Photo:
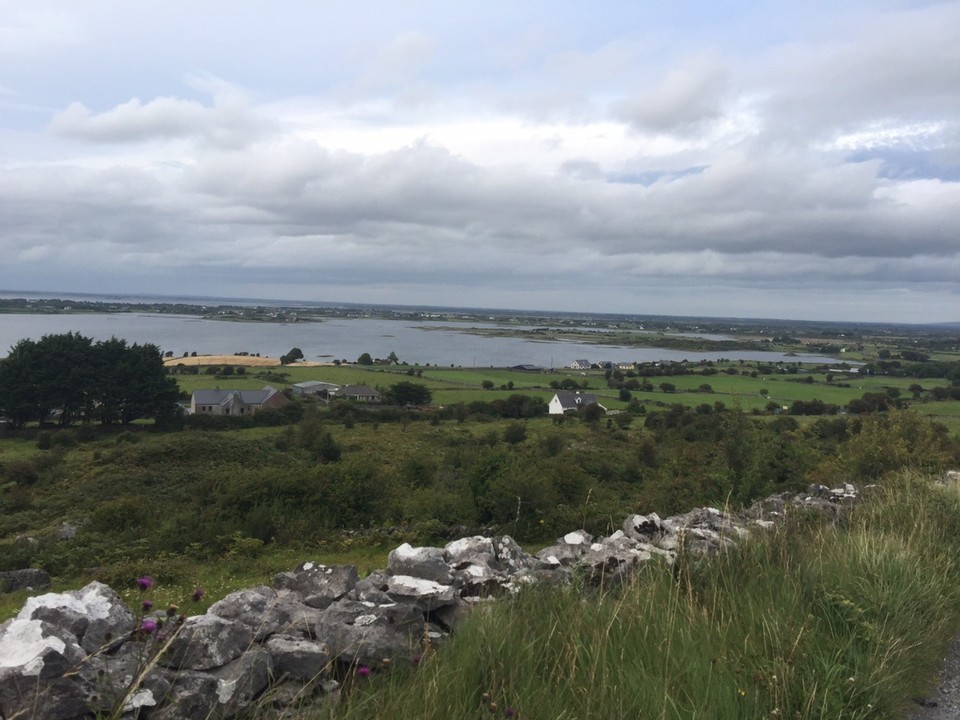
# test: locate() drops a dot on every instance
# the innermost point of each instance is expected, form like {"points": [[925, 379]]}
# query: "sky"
{"points": [[718, 158]]}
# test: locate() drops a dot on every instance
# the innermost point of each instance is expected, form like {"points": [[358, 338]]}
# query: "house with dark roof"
{"points": [[580, 365], [565, 401], [235, 402]]}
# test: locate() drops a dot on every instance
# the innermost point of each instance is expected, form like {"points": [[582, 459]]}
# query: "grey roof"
{"points": [[314, 384], [220, 397], [572, 401]]}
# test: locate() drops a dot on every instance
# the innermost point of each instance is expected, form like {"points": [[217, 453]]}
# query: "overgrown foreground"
{"points": [[816, 620]]}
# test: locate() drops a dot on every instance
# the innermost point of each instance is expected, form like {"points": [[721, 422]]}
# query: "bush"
{"points": [[515, 433], [87, 432], [21, 472], [63, 439], [128, 437]]}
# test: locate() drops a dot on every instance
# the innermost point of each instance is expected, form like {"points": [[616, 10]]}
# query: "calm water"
{"points": [[345, 339]]}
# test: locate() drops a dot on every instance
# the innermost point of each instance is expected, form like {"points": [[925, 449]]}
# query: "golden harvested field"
{"points": [[245, 360]]}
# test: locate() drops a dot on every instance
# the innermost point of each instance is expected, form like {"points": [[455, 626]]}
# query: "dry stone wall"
{"points": [[84, 653]]}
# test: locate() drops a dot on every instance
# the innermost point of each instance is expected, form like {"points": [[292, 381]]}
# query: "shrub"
{"points": [[515, 433]]}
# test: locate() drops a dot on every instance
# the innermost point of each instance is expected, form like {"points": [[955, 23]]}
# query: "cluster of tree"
{"points": [[71, 378], [934, 369], [870, 402], [367, 359], [406, 393], [569, 384], [292, 356]]}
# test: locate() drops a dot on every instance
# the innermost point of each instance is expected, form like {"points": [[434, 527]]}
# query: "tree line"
{"points": [[69, 378]]}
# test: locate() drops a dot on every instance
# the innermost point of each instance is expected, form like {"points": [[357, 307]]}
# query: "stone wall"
{"points": [[84, 652]]}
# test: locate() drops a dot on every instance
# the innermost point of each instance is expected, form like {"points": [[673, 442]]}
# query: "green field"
{"points": [[464, 385]]}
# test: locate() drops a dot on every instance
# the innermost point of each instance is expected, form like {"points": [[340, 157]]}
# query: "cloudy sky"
{"points": [[760, 159]]}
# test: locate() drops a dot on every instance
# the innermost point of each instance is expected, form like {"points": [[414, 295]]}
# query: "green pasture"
{"points": [[464, 385]]}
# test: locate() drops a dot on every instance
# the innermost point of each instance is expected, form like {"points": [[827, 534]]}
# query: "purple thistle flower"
{"points": [[363, 670], [144, 582], [149, 625], [147, 605], [509, 711], [198, 593]]}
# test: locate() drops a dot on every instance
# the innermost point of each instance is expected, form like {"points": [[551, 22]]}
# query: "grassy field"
{"points": [[464, 385]]}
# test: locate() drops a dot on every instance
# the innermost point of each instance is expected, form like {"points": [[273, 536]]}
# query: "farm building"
{"points": [[314, 387]]}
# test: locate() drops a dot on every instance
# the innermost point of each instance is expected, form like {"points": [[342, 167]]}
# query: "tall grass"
{"points": [[813, 620]]}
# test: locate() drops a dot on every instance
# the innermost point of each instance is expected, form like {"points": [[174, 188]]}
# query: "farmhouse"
{"points": [[580, 365], [565, 401], [235, 402], [314, 387], [360, 393]]}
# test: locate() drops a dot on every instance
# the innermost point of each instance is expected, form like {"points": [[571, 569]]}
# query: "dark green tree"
{"points": [[292, 356], [407, 393], [109, 381], [365, 359]]}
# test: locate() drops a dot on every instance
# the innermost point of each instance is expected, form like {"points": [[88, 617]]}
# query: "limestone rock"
{"points": [[366, 633], [476, 550], [205, 642], [266, 611], [242, 681], [299, 657], [425, 594], [318, 585], [95, 614], [35, 659], [513, 558], [421, 562], [642, 527]]}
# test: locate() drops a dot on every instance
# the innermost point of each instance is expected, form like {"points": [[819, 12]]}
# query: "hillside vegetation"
{"points": [[182, 504]]}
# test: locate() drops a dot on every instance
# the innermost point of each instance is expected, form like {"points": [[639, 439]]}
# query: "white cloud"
{"points": [[230, 122]]}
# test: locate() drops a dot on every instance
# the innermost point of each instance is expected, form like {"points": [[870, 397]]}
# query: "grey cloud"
{"points": [[688, 97], [582, 169], [898, 66], [231, 122]]}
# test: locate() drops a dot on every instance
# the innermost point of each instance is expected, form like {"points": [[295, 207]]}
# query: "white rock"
{"points": [[23, 645]]}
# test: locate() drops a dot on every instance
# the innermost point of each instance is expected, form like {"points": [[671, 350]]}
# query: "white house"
{"points": [[580, 365], [565, 401]]}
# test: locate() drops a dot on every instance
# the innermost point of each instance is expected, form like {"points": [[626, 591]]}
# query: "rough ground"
{"points": [[943, 702]]}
